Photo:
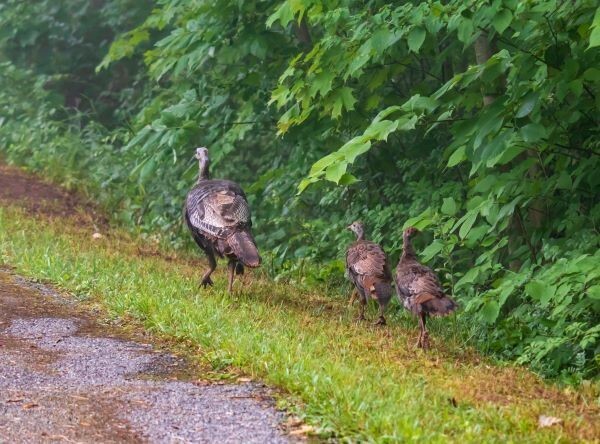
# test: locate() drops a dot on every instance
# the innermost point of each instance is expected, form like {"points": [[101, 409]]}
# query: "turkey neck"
{"points": [[360, 235], [408, 252], [203, 164]]}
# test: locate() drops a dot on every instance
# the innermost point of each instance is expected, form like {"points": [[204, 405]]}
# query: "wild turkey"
{"points": [[217, 213], [368, 269], [419, 289]]}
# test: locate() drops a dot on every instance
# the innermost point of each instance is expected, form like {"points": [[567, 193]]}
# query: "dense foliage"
{"points": [[476, 121]]}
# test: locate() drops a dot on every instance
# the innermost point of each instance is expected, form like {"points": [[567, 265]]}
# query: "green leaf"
{"points": [[594, 292], [509, 154], [493, 151], [592, 75], [354, 148], [342, 98], [595, 37], [465, 30], [449, 206], [469, 220], [359, 59], [540, 291], [147, 170], [431, 250], [406, 123], [419, 103], [457, 156], [381, 130], [564, 181], [321, 84], [335, 171], [386, 112], [383, 39], [416, 37], [304, 183], [527, 105], [284, 15], [490, 311], [595, 34], [347, 179], [502, 20], [533, 132], [420, 222], [323, 163]]}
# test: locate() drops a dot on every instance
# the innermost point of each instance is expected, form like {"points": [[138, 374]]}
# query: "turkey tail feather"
{"points": [[378, 289], [242, 245], [383, 290]]}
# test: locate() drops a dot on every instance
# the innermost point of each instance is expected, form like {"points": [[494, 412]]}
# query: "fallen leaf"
{"points": [[304, 430], [15, 400], [548, 421], [243, 379], [30, 405], [97, 236], [293, 422]]}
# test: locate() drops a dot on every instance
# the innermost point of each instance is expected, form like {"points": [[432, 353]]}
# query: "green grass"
{"points": [[355, 382]]}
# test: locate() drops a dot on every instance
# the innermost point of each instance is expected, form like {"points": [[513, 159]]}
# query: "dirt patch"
{"points": [[63, 377], [36, 196]]}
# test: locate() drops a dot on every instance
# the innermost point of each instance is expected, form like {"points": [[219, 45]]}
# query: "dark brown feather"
{"points": [[243, 248], [367, 267], [217, 213], [419, 289]]}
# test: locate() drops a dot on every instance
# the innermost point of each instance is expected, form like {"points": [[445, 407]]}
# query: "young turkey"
{"points": [[368, 269], [217, 213], [419, 289]]}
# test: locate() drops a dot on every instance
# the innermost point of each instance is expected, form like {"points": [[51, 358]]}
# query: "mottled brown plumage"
{"points": [[419, 289], [218, 216], [368, 269]]}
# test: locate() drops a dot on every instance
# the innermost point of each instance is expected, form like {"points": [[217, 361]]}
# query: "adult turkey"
{"points": [[368, 269], [419, 289], [216, 212]]}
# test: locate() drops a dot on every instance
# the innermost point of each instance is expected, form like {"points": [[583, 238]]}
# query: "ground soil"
{"points": [[36, 196]]}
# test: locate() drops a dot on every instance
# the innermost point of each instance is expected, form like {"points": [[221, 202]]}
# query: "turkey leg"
{"points": [[212, 264], [353, 297], [361, 308], [424, 334], [231, 267]]}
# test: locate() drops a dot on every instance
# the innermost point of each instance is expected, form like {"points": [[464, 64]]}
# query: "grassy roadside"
{"points": [[355, 381]]}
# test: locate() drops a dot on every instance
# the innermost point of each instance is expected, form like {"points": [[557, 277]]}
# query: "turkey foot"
{"points": [[206, 282], [423, 341], [380, 321], [381, 318]]}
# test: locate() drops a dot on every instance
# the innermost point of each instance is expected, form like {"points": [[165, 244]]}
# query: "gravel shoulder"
{"points": [[66, 378]]}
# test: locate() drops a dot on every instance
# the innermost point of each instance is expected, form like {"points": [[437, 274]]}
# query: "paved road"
{"points": [[64, 378]]}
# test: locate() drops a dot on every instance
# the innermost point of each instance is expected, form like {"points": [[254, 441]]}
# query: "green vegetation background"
{"points": [[475, 121]]}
